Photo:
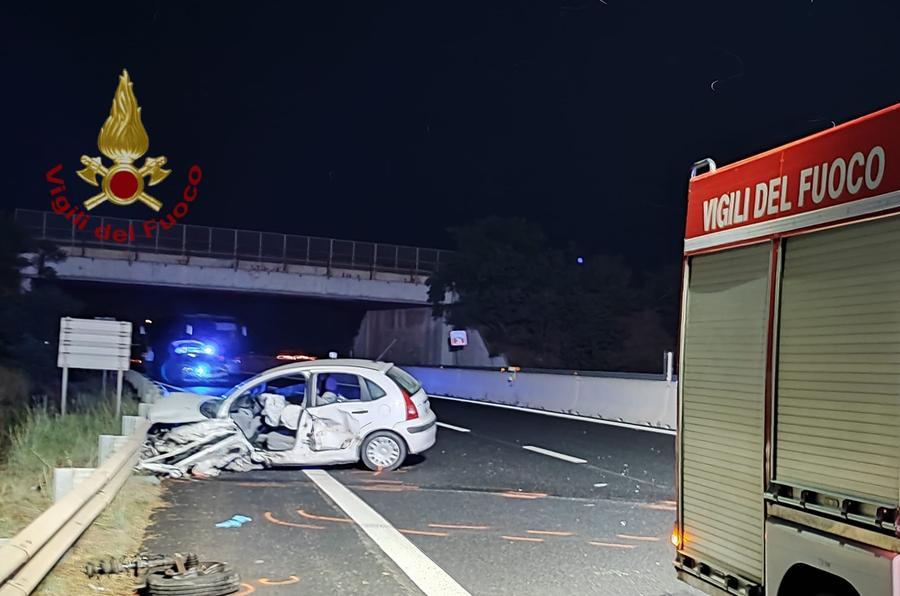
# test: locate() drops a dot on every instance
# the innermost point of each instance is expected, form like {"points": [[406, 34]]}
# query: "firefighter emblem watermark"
{"points": [[124, 140]]}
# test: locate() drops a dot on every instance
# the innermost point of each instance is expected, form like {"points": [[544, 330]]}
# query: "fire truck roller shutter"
{"points": [[838, 365], [722, 409]]}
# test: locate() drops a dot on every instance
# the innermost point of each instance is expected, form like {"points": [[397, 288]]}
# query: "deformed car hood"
{"points": [[178, 408]]}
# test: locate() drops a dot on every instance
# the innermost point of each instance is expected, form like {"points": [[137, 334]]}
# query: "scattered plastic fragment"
{"points": [[236, 521]]}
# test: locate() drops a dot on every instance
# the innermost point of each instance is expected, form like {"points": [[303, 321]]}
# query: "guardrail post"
{"points": [[44, 225], [307, 249], [284, 250], [396, 257], [184, 239], [353, 255], [209, 243], [156, 241], [259, 256], [417, 261]]}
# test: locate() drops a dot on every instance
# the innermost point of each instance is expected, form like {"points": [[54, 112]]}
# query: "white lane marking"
{"points": [[601, 485], [652, 429], [423, 572], [451, 427], [556, 454]]}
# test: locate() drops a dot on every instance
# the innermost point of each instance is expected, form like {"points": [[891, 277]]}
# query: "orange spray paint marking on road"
{"points": [[245, 590], [643, 538], [664, 506], [610, 544], [293, 579], [424, 533], [458, 527], [517, 495], [550, 533], [389, 488], [342, 520], [380, 481], [271, 518], [522, 538]]}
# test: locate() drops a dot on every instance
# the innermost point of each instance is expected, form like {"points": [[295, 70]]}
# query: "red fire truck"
{"points": [[789, 393]]}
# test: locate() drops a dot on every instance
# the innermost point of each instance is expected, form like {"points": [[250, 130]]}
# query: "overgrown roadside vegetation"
{"points": [[39, 441], [117, 532]]}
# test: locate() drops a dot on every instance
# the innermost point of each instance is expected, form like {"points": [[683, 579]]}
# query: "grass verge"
{"points": [[117, 532], [40, 441]]}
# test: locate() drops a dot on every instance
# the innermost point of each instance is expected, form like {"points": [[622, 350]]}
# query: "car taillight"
{"points": [[411, 412]]}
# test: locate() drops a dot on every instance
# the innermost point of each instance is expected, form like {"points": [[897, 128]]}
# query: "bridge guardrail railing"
{"points": [[236, 244]]}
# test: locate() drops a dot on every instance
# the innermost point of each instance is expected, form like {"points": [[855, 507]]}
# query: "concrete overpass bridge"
{"points": [[115, 250]]}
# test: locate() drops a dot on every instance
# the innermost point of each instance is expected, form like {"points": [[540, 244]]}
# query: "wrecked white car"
{"points": [[309, 413]]}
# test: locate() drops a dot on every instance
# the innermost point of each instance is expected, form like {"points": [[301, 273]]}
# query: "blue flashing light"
{"points": [[201, 370], [580, 260], [209, 349]]}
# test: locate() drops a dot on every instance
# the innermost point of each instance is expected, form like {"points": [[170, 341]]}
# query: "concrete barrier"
{"points": [[108, 444], [643, 400], [66, 479]]}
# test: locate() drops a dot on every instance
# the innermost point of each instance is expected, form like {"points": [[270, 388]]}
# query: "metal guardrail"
{"points": [[227, 243], [29, 557]]}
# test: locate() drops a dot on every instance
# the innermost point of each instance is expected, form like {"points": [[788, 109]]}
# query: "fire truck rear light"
{"points": [[676, 536]]}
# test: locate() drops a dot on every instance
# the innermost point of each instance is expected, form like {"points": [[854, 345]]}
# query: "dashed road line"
{"points": [[423, 572], [569, 458], [451, 427]]}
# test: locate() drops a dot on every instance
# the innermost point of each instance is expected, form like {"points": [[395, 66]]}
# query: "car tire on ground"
{"points": [[383, 450], [214, 579]]}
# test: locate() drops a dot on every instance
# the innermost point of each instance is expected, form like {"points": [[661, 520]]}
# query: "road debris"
{"points": [[236, 521], [175, 576]]}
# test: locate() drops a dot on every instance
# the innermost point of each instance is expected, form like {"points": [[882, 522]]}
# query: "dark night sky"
{"points": [[390, 121]]}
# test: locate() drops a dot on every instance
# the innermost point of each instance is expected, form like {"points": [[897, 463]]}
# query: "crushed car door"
{"points": [[339, 414]]}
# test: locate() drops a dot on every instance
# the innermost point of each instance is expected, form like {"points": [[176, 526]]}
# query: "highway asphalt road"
{"points": [[487, 505]]}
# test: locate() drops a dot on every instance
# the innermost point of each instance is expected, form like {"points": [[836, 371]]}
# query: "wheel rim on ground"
{"points": [[383, 451]]}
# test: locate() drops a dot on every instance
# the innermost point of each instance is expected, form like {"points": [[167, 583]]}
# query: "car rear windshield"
{"points": [[405, 380]]}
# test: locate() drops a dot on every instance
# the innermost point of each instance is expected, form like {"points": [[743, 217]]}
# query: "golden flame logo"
{"points": [[123, 139]]}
